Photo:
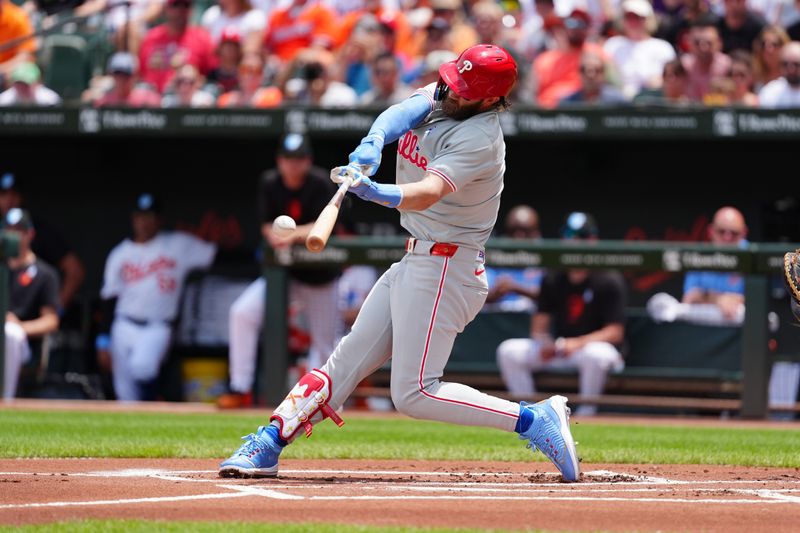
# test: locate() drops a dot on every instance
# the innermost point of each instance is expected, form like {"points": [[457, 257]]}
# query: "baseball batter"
{"points": [[450, 167], [144, 276]]}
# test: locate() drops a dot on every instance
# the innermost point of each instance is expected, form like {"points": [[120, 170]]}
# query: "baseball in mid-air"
{"points": [[284, 226]]}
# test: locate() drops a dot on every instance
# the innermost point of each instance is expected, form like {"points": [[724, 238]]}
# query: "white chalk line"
{"points": [[160, 499], [550, 498], [258, 491], [456, 490]]}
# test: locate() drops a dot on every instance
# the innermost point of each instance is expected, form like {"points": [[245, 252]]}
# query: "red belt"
{"points": [[439, 248]]}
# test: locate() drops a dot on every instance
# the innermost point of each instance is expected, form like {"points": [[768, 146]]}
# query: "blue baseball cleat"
{"points": [[550, 434], [257, 457]]}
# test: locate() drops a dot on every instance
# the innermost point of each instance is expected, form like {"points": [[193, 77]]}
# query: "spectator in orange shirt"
{"points": [[556, 73], [14, 23], [169, 46], [302, 24]]}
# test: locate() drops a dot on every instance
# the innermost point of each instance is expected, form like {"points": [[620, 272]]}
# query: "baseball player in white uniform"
{"points": [[450, 167], [145, 276]]}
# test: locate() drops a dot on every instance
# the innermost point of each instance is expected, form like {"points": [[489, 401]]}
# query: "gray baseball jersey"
{"points": [[416, 309], [469, 155]]}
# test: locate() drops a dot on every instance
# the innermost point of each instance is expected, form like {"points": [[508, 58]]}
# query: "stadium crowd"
{"points": [[346, 53]]}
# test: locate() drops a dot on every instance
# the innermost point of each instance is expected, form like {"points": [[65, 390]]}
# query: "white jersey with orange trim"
{"points": [[147, 280], [469, 155], [147, 277]]}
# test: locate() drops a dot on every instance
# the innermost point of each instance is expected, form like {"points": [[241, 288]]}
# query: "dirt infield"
{"points": [[408, 493]]}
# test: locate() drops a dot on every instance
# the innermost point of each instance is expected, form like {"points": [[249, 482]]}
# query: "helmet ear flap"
{"points": [[441, 90]]}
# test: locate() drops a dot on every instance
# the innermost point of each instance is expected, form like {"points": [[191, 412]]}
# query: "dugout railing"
{"points": [[757, 262]]}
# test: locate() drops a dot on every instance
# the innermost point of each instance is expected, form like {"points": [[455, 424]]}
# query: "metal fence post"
{"points": [[9, 247], [275, 353], [3, 310], [755, 364]]}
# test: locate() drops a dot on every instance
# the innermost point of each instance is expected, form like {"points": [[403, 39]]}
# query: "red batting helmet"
{"points": [[481, 71]]}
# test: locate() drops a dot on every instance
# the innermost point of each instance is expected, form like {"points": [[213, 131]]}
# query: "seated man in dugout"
{"points": [[709, 297], [32, 300], [717, 299], [580, 323]]}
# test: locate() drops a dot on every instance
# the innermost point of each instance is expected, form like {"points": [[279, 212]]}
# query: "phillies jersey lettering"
{"points": [[408, 148], [469, 155], [146, 277]]}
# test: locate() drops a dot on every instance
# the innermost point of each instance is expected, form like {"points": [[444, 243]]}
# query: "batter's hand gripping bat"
{"points": [[323, 226]]}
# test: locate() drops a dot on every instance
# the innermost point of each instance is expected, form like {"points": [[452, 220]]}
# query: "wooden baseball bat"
{"points": [[323, 226]]}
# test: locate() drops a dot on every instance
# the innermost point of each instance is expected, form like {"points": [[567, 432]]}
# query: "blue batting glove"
{"points": [[385, 194], [368, 155], [361, 187]]}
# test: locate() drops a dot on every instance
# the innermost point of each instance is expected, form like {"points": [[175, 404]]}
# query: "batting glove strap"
{"points": [[385, 194]]}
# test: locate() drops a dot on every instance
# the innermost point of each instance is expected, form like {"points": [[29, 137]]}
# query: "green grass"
{"points": [[146, 526], [153, 435]]}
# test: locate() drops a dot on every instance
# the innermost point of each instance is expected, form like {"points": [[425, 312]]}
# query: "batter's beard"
{"points": [[453, 110]]}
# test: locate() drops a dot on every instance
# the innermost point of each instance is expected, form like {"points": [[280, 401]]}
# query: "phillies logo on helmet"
{"points": [[481, 71]]}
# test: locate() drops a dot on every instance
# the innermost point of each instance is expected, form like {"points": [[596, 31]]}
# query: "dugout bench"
{"points": [[746, 384]]}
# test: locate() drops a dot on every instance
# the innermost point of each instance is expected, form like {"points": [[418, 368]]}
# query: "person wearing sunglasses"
{"points": [[595, 88], [725, 290], [705, 61], [785, 91], [387, 88], [717, 298], [767, 55], [709, 297], [741, 74]]}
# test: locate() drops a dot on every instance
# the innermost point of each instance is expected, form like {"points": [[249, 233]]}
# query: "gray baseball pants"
{"points": [[412, 316]]}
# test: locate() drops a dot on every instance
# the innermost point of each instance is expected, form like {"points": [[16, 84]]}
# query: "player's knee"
{"points": [[599, 356], [407, 400]]}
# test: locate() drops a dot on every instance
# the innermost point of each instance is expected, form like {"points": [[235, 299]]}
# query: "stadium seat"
{"points": [[65, 65]]}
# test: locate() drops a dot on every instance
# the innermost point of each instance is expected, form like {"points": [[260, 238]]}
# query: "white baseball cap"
{"points": [[643, 8]]}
